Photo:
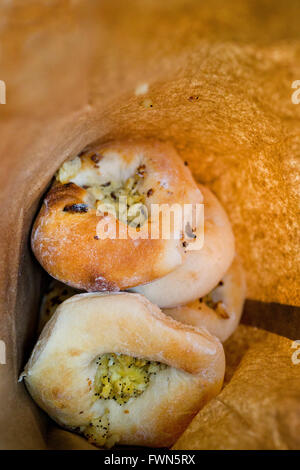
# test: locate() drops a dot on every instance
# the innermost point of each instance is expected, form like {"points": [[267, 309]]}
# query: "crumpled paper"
{"points": [[259, 406], [219, 79]]}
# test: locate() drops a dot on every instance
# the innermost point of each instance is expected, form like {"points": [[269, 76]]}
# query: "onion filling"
{"points": [[120, 377], [122, 199]]}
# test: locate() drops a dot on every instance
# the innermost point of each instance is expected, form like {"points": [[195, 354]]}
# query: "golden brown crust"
{"points": [[59, 374], [64, 236]]}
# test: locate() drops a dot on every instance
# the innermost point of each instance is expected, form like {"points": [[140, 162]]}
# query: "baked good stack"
{"points": [[133, 350]]}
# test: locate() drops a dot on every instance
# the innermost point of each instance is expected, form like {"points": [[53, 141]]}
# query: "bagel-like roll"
{"points": [[202, 269], [87, 191], [220, 310], [114, 368]]}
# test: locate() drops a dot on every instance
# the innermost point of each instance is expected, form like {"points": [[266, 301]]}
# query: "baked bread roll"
{"points": [[202, 269], [114, 368], [220, 310], [87, 236]]}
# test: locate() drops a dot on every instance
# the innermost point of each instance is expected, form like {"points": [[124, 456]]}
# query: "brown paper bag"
{"points": [[219, 88], [259, 407]]}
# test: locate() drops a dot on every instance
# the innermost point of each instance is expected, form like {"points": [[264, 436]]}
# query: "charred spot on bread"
{"points": [[96, 157], [189, 231], [60, 192], [150, 192], [77, 208]]}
